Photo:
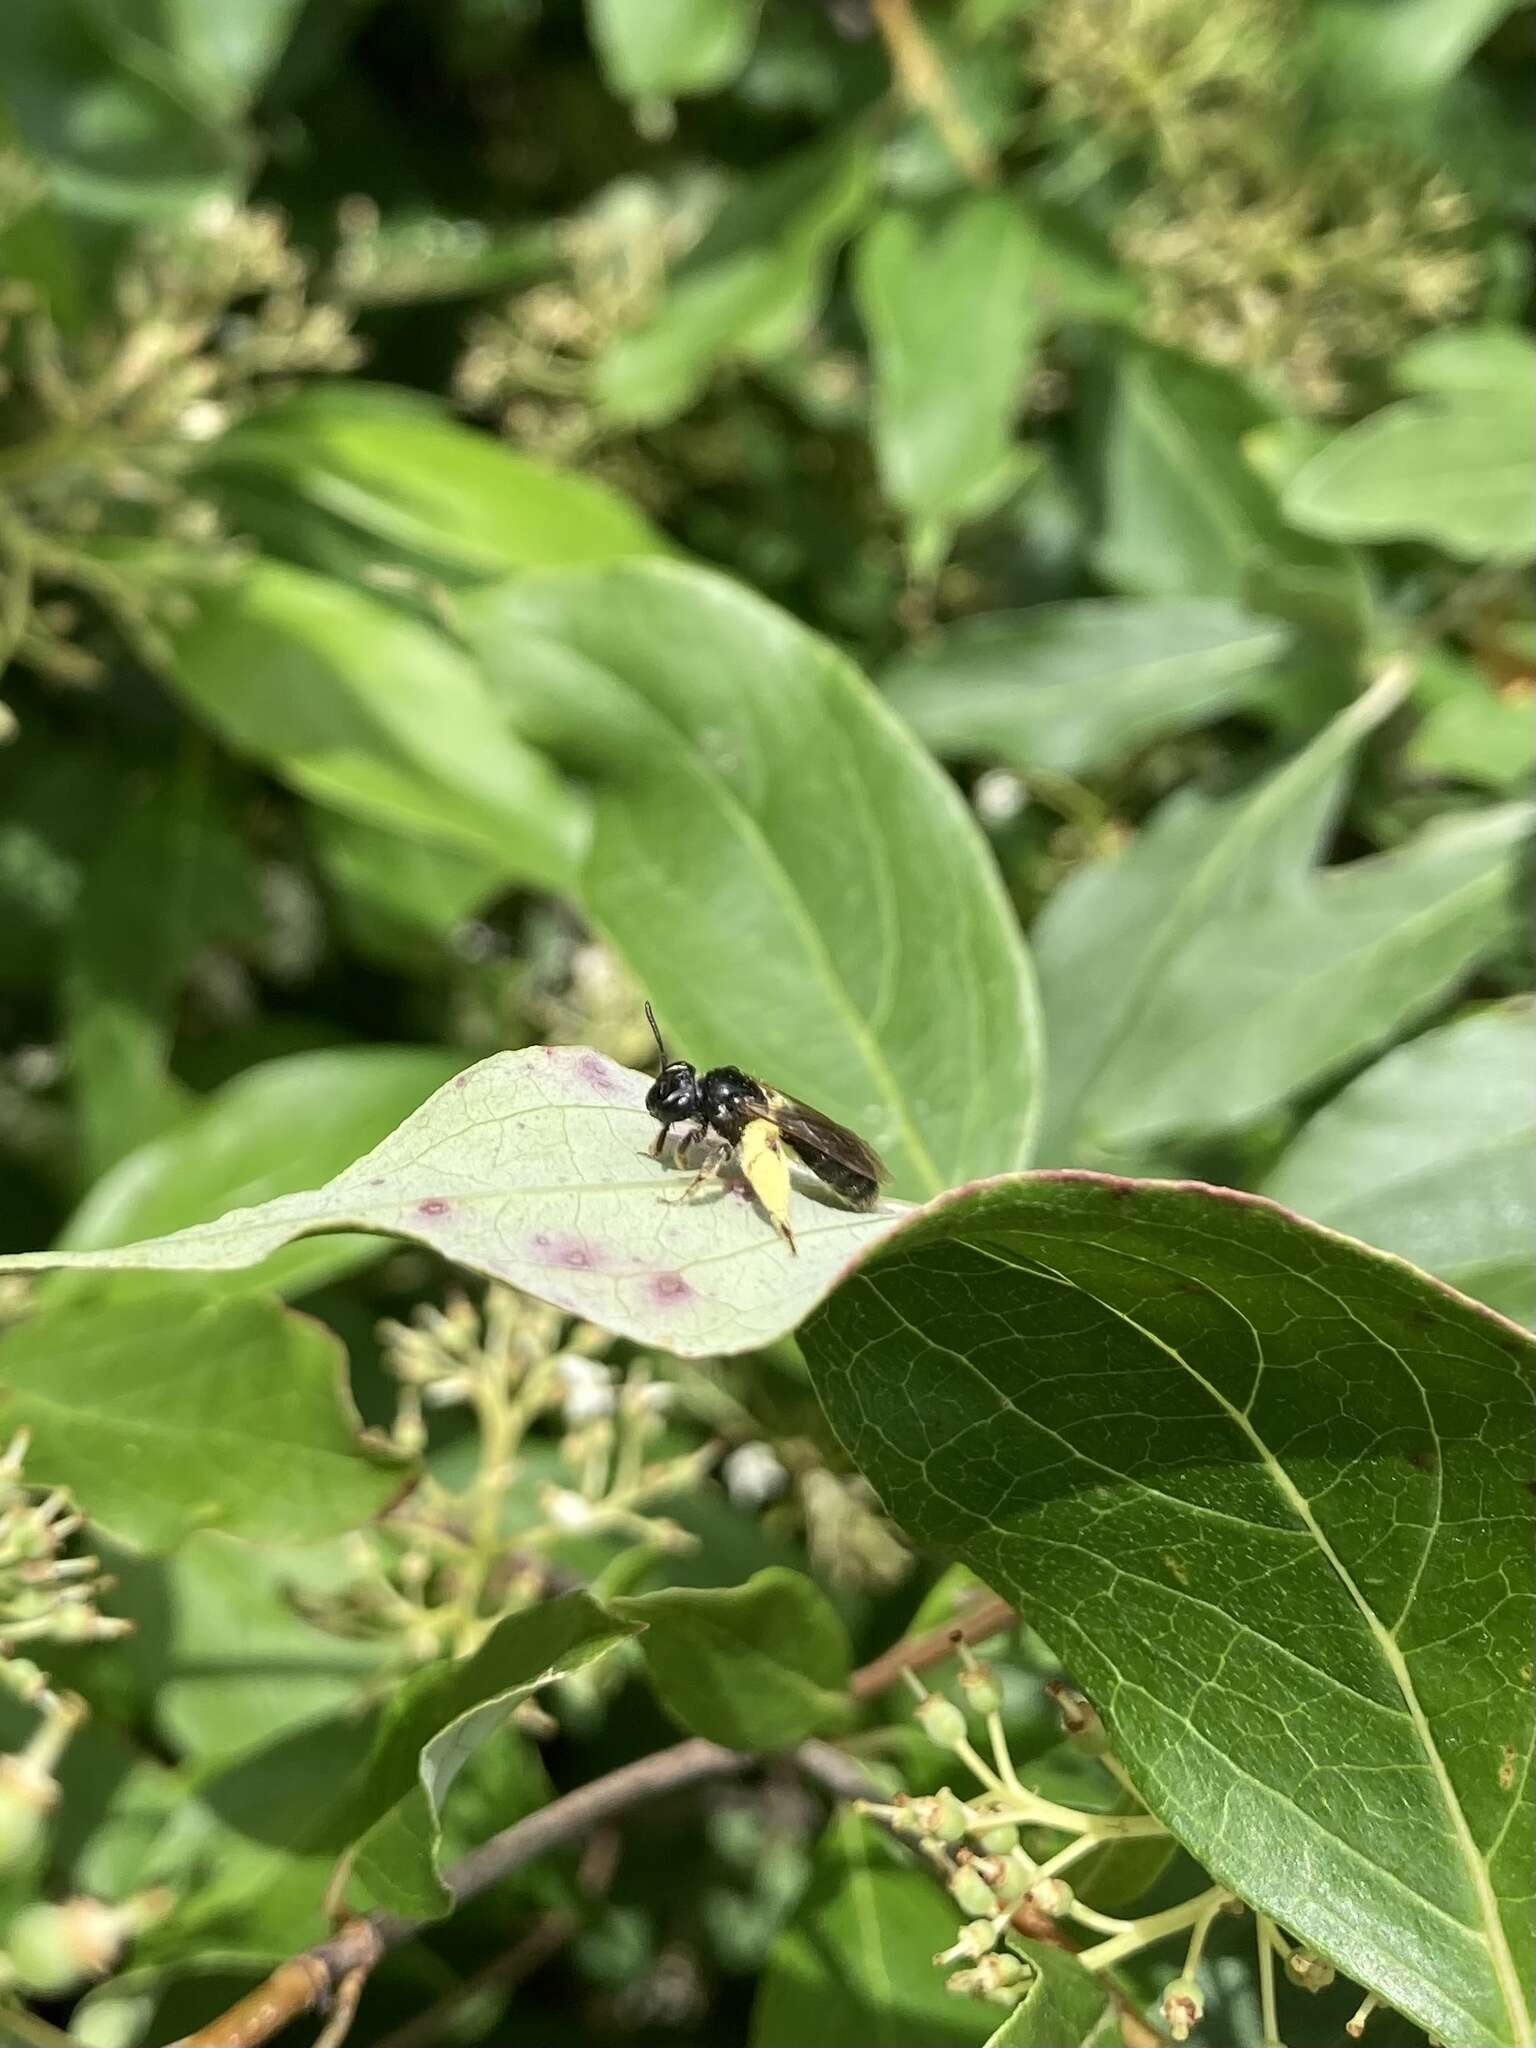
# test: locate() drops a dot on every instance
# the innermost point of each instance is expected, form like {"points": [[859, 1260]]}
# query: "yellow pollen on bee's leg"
{"points": [[766, 1172]]}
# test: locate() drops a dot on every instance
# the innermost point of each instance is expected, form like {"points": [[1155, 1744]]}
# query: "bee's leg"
{"points": [[660, 1143], [707, 1174]]}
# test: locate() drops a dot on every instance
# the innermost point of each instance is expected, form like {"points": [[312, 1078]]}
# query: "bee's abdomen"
{"points": [[857, 1189]]}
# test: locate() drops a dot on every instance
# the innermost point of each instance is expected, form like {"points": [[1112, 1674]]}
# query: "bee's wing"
{"points": [[798, 1121]]}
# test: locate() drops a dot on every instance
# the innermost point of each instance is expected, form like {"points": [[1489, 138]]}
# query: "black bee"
{"points": [[755, 1122]]}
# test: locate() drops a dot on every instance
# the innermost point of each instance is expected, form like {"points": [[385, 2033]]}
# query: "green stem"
{"points": [[1142, 1933]]}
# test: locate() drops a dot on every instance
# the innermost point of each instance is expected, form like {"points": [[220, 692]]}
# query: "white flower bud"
{"points": [[753, 1475], [588, 1389]]}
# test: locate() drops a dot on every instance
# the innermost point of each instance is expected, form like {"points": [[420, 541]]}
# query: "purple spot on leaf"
{"points": [[459, 1080], [434, 1206], [669, 1287], [572, 1252], [596, 1072]]}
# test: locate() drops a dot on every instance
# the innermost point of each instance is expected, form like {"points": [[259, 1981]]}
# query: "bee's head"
{"points": [[673, 1097]]}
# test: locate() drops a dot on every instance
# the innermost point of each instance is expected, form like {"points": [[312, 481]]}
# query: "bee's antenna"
{"points": [[650, 1018]]}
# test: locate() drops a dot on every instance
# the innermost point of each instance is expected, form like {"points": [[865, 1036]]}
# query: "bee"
{"points": [[756, 1122]]}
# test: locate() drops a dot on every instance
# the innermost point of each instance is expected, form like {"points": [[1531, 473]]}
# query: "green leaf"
{"points": [[398, 898], [1185, 515], [1268, 999], [1428, 1155], [749, 290], [111, 119], [399, 468], [178, 1411], [791, 879], [854, 1968], [1063, 2007], [756, 1666], [1265, 1493], [269, 1131], [1471, 732], [1072, 687], [533, 1168], [1402, 51], [170, 878], [1111, 935], [225, 1656], [226, 48], [358, 706], [1492, 361], [671, 47], [947, 391], [1459, 471], [433, 1725]]}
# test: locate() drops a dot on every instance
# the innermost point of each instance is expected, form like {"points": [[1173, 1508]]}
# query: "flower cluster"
{"points": [[48, 1593], [1003, 1852], [1262, 241], [98, 432], [457, 1554], [1303, 271], [529, 364]]}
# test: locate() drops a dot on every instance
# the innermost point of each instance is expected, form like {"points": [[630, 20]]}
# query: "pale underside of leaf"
{"points": [[532, 1168]]}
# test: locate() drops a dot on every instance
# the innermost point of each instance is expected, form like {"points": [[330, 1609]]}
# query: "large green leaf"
{"points": [[946, 391], [751, 287], [359, 706], [1266, 1494], [1112, 934], [117, 130], [434, 1724], [1459, 471], [221, 1649], [397, 467], [756, 1666], [272, 1129], [671, 47], [1428, 1154], [531, 1167], [1070, 687], [168, 879], [398, 898], [854, 1968], [792, 880], [181, 1410], [1267, 999], [1186, 515]]}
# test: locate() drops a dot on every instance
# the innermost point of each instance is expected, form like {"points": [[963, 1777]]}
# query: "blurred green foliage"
{"points": [[975, 550]]}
